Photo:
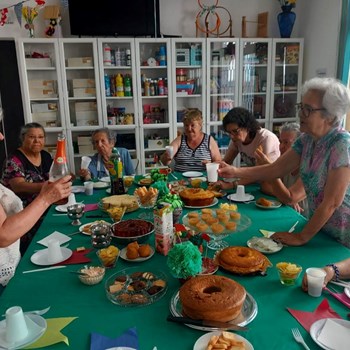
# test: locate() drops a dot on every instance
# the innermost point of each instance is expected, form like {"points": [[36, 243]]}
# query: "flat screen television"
{"points": [[115, 18]]}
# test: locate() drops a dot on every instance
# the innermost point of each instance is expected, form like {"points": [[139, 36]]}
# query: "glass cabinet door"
{"points": [[286, 81]]}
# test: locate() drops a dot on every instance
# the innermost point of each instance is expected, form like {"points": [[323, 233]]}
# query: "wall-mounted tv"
{"points": [[128, 18]]}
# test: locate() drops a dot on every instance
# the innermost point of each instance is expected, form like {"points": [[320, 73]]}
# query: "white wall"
{"points": [[317, 21]]}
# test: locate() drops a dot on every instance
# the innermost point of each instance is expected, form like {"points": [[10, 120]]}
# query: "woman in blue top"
{"points": [[104, 140]]}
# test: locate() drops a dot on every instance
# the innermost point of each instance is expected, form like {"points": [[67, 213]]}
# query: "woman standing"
{"points": [[323, 155], [28, 167]]}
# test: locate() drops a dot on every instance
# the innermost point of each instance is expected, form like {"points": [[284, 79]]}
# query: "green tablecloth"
{"points": [[271, 329]]}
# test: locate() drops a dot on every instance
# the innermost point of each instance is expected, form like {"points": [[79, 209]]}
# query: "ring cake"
{"points": [[242, 260], [212, 297], [123, 200], [197, 197]]}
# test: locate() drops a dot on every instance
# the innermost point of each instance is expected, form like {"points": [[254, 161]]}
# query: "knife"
{"points": [[206, 323]]}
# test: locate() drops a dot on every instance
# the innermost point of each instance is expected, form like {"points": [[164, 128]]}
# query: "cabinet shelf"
{"points": [[41, 69]]}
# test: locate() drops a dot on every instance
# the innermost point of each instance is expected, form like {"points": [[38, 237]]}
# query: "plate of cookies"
{"points": [[135, 252], [136, 287]]}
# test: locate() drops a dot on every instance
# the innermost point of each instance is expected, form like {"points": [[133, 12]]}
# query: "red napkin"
{"points": [[90, 207], [77, 258], [342, 297], [306, 319]]}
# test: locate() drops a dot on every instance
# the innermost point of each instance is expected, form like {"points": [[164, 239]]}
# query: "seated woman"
{"points": [[247, 136], [194, 148], [26, 170], [104, 140]]}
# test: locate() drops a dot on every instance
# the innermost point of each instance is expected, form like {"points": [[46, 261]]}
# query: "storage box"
{"points": [[85, 106], [83, 83], [43, 107], [38, 62], [84, 140], [80, 62], [39, 83], [160, 143], [86, 118], [86, 149], [196, 56], [163, 229], [182, 57], [185, 87], [84, 92], [41, 93], [46, 118]]}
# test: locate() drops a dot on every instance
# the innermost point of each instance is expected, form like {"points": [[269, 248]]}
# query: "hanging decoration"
{"points": [[18, 12], [3, 16], [29, 14], [52, 18]]}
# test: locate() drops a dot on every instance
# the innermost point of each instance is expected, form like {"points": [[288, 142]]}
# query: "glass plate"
{"points": [[248, 313], [261, 244]]}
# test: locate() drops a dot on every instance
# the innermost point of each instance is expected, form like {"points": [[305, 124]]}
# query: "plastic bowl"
{"points": [[289, 277], [126, 236], [94, 274], [108, 260]]}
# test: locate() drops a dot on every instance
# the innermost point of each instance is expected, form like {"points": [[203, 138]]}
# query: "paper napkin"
{"points": [[77, 258], [127, 339], [53, 333], [341, 297], [306, 318], [60, 237], [334, 335], [90, 207], [266, 233]]}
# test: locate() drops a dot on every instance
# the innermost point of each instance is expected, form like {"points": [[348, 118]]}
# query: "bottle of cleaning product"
{"points": [[127, 85], [107, 59], [120, 85]]}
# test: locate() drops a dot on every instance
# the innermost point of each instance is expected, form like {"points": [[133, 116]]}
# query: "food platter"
{"points": [[215, 201], [202, 342], [140, 259], [264, 245], [85, 229], [247, 315], [274, 205]]}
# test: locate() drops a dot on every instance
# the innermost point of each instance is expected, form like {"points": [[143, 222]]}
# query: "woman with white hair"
{"points": [[322, 154]]}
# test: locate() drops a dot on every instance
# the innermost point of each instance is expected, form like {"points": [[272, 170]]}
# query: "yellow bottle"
{"points": [[120, 85]]}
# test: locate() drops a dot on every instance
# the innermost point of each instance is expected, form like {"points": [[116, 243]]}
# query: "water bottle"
{"points": [[107, 59]]}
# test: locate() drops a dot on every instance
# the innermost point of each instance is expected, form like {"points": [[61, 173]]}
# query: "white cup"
{"points": [[54, 251], [85, 161], [89, 188], [170, 151], [16, 326], [212, 171], [71, 199], [315, 281], [240, 192]]}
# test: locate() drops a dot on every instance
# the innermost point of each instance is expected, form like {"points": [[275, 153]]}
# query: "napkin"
{"points": [[90, 207], [306, 319], [53, 333], [342, 297], [127, 339], [334, 335], [60, 237], [266, 233], [77, 258]]}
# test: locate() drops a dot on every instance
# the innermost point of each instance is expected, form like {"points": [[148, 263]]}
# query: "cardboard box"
{"points": [[39, 83], [43, 107], [161, 143], [84, 140], [86, 149], [80, 62], [46, 118], [163, 229], [83, 83], [84, 92], [85, 106], [38, 62], [86, 118], [41, 93]]}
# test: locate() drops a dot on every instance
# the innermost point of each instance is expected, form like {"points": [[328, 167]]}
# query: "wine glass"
{"points": [[75, 212]]}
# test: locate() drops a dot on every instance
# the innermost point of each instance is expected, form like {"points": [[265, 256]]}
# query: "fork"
{"points": [[298, 337]]}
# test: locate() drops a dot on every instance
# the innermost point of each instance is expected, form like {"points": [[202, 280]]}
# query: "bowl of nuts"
{"points": [[91, 275]]}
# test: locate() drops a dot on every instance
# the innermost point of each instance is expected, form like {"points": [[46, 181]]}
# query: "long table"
{"points": [[68, 297]]}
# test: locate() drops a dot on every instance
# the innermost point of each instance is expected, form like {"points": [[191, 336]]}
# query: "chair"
{"points": [[135, 163]]}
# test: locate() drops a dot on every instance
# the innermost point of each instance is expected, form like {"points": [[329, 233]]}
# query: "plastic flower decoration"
{"points": [[184, 260], [288, 2], [30, 13]]}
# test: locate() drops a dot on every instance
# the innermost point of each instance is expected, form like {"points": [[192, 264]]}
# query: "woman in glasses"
{"points": [[247, 136], [322, 154]]}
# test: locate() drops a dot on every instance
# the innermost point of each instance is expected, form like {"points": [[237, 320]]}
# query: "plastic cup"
{"points": [[54, 251], [212, 171], [71, 199], [85, 161], [315, 281], [170, 151], [16, 326], [89, 188], [289, 278], [240, 193]]}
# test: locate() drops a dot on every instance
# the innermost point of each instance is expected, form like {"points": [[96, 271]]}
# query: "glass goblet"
{"points": [[147, 203], [75, 212]]}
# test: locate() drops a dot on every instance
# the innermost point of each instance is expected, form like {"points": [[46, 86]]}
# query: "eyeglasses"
{"points": [[232, 132], [307, 110]]}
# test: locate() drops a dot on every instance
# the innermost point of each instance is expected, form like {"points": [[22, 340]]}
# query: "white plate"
{"points": [[262, 245], [275, 205], [233, 197], [41, 257], [81, 228], [60, 237], [347, 291], [78, 189], [202, 342], [215, 201], [105, 179], [202, 178], [317, 326], [192, 174], [124, 257], [100, 184], [36, 328]]}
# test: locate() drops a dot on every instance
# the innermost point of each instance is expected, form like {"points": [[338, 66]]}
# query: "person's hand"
{"points": [[287, 238], [165, 158], [297, 208], [54, 191], [261, 158], [222, 185], [85, 174], [226, 170], [329, 276]]}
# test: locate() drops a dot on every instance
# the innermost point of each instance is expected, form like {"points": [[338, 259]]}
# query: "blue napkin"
{"points": [[127, 339]]}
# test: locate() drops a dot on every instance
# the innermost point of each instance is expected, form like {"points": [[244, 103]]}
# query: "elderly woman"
{"points": [[288, 133], [194, 148], [104, 140], [16, 221], [26, 170], [323, 155]]}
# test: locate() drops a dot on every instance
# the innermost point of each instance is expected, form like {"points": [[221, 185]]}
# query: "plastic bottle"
{"points": [[107, 59], [107, 86], [128, 57], [120, 85], [127, 85], [165, 86], [143, 79], [115, 168], [162, 56], [160, 87], [117, 57], [147, 88]]}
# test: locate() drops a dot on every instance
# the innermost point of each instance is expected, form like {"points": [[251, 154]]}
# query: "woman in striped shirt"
{"points": [[194, 148]]}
